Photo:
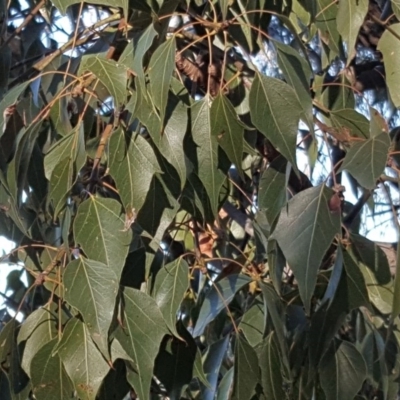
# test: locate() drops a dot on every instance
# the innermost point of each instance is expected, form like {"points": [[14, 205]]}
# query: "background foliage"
{"points": [[189, 186]]}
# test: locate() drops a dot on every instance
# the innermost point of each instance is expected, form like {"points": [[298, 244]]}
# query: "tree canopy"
{"points": [[189, 186]]}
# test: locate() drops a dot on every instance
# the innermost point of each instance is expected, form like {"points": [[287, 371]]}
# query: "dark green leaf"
{"points": [[351, 121], [271, 368], [304, 231], [275, 111], [207, 151], [253, 323], [218, 298], [342, 371], [229, 131], [272, 193], [297, 73], [246, 370]]}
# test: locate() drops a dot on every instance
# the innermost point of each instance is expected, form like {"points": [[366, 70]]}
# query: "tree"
{"points": [[172, 177]]}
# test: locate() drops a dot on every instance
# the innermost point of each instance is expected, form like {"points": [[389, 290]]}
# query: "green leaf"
{"points": [[170, 141], [38, 329], [271, 368], [111, 74], [389, 45], [136, 50], [357, 294], [91, 287], [342, 371], [174, 362], [297, 73], [207, 152], [246, 370], [83, 362], [62, 5], [229, 131], [224, 388], [8, 100], [275, 111], [366, 160], [171, 284], [132, 166], [325, 20], [272, 193], [350, 17], [71, 146], [62, 179], [338, 97], [217, 299], [274, 309], [100, 230], [351, 120], [252, 323], [396, 283], [305, 230], [161, 67], [49, 377], [141, 336]]}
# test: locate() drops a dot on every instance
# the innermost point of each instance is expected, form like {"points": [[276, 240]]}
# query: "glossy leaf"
{"points": [[218, 298], [91, 287], [141, 336], [304, 231], [212, 364], [171, 284], [366, 160], [275, 111], [99, 229]]}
